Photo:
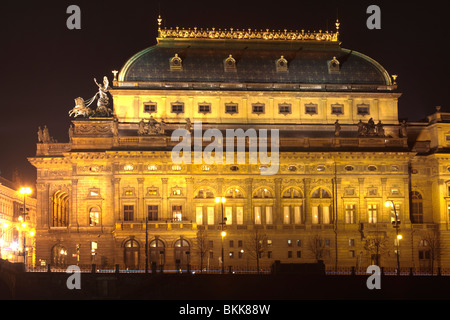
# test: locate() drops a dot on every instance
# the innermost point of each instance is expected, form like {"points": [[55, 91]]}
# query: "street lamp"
{"points": [[223, 233], [24, 191], [396, 225]]}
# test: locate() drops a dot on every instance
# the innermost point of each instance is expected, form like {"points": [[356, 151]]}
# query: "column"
{"points": [[164, 203]]}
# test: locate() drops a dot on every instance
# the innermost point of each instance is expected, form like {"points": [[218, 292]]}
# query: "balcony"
{"points": [[155, 225]]}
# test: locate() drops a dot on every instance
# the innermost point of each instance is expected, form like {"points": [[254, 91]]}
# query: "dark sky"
{"points": [[45, 65]]}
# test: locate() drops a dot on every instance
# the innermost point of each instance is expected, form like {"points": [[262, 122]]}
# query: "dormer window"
{"points": [[334, 66], [204, 108], [229, 64], [284, 108], [231, 108], [363, 109], [175, 63], [281, 64]]}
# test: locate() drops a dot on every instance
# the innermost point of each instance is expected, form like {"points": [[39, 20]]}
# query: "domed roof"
{"points": [[251, 61]]}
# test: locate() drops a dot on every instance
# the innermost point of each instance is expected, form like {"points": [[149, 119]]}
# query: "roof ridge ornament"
{"points": [[246, 34]]}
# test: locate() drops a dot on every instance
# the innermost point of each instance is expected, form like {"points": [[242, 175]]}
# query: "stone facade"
{"points": [[113, 195]]}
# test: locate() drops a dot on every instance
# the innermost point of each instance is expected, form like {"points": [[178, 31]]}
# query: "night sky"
{"points": [[45, 65]]}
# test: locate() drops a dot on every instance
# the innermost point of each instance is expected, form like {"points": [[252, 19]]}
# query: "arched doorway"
{"points": [[157, 254], [131, 254], [182, 253], [59, 255]]}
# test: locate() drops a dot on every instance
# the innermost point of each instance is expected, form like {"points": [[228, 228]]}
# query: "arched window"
{"points": [[320, 193], [60, 214], [262, 193], [157, 254], [234, 193], [94, 216], [131, 254], [416, 207], [204, 194], [292, 193], [59, 255], [182, 253]]}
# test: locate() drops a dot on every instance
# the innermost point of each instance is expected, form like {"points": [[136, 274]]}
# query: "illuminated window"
{"points": [[262, 193], [292, 193], [128, 167], [152, 191], [416, 207], [204, 193], [152, 167], [177, 191], [176, 167], [205, 168], [320, 193], [60, 206], [350, 213], [177, 212], [94, 214], [372, 213], [234, 193]]}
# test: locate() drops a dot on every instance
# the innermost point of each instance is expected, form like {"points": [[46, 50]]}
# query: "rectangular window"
{"points": [[326, 215], [284, 109], [229, 215], [177, 108], [231, 243], [240, 243], [289, 254], [239, 215], [397, 210], [231, 254], [231, 108], [128, 213], [362, 109], [210, 215], [289, 243], [311, 108], [351, 242], [286, 215], [299, 254], [258, 108], [199, 215], [152, 212], [150, 107], [257, 215], [210, 244], [269, 215], [177, 213], [204, 108], [349, 213], [372, 213], [297, 215], [337, 109], [315, 215]]}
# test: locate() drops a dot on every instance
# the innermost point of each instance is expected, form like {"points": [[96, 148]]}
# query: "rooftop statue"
{"points": [[82, 106]]}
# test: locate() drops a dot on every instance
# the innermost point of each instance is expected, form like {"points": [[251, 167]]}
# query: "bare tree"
{"points": [[376, 246], [256, 245], [432, 243], [316, 244], [201, 245]]}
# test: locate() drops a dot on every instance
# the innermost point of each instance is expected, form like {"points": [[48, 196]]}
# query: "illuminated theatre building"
{"points": [[343, 154]]}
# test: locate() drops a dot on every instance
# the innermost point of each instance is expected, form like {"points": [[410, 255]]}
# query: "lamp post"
{"points": [[24, 191], [396, 225], [223, 233]]}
